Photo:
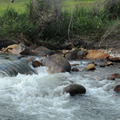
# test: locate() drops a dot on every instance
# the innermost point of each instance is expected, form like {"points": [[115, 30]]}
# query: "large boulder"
{"points": [[74, 89], [97, 54], [56, 63], [41, 50], [76, 54]]}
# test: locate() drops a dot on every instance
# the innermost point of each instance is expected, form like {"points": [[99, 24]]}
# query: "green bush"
{"points": [[46, 19], [13, 23], [112, 8]]}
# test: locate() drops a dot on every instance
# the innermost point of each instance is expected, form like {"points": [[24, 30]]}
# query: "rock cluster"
{"points": [[57, 61]]}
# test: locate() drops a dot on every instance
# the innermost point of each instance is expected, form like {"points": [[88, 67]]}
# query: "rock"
{"points": [[74, 89], [111, 78], [75, 70], [114, 59], [33, 47], [12, 46], [90, 66], [117, 88], [116, 75], [56, 63], [109, 63], [36, 64], [96, 54], [74, 64], [102, 65], [41, 50], [19, 49], [5, 43], [76, 54]]}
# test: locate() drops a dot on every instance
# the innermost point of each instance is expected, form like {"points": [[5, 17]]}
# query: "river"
{"points": [[40, 96]]}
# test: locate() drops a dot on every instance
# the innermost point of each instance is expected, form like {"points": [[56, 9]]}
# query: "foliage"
{"points": [[112, 8], [49, 19], [13, 23]]}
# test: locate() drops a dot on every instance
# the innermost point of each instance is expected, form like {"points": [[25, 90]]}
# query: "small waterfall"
{"points": [[12, 68]]}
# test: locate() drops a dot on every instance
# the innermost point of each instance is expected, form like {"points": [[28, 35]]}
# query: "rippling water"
{"points": [[40, 96]]}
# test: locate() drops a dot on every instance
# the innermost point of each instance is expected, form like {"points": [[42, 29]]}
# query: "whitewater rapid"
{"points": [[40, 96]]}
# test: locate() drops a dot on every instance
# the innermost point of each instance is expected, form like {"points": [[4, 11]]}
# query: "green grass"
{"points": [[68, 4], [18, 5]]}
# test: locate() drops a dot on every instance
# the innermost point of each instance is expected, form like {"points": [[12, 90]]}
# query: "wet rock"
{"points": [[75, 70], [74, 64], [76, 54], [117, 89], [56, 63], [36, 64], [43, 51], [96, 54], [19, 49], [90, 66], [111, 78], [75, 89], [109, 63], [116, 75], [102, 65], [114, 59], [12, 46]]}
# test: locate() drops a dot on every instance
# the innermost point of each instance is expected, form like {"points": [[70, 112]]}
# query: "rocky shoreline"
{"points": [[57, 61]]}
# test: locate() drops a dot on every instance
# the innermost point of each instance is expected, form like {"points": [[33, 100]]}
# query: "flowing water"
{"points": [[40, 96]]}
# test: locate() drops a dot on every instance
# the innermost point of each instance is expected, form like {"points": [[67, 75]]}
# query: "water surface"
{"points": [[40, 96]]}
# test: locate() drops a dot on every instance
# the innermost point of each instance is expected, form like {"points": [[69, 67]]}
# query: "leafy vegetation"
{"points": [[55, 19]]}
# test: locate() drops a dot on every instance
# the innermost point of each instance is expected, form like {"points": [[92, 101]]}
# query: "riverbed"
{"points": [[40, 96]]}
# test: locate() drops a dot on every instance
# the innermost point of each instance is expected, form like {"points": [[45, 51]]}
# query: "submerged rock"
{"points": [[75, 89], [56, 63], [111, 78], [75, 70], [36, 63], [117, 89], [74, 64], [116, 75]]}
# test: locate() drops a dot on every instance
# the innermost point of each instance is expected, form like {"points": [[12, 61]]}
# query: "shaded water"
{"points": [[40, 96]]}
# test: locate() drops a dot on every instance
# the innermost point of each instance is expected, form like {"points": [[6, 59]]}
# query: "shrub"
{"points": [[112, 8]]}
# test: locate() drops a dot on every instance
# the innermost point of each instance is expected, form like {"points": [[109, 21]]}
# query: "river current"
{"points": [[40, 96]]}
